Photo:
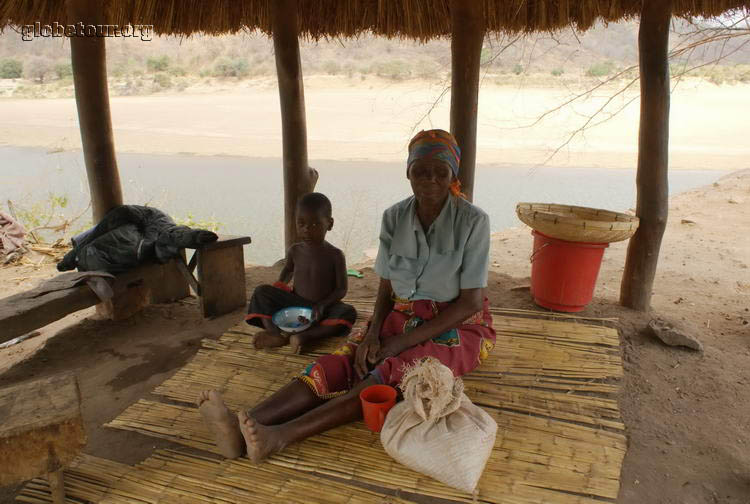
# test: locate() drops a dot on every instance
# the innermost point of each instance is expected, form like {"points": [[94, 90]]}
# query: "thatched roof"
{"points": [[415, 19]]}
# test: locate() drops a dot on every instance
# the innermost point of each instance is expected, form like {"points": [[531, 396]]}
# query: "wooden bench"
{"points": [[41, 430], [221, 275], [220, 286]]}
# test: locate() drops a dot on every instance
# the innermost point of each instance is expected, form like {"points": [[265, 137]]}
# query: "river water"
{"points": [[244, 195]]}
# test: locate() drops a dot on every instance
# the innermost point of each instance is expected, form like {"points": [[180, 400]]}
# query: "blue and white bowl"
{"points": [[287, 319]]}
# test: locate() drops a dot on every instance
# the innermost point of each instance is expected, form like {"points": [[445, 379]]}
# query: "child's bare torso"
{"points": [[314, 270]]}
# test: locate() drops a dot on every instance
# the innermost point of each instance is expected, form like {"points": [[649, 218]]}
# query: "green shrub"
{"points": [[222, 68], [50, 211], [425, 69], [119, 68], [517, 69], [162, 80], [396, 69], [600, 69], [349, 69], [241, 67], [63, 70], [331, 67], [10, 69], [210, 223], [557, 72], [38, 69], [716, 78], [157, 63], [364, 69], [177, 71], [225, 67]]}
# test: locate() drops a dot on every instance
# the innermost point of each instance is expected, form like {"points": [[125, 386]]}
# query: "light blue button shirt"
{"points": [[453, 254]]}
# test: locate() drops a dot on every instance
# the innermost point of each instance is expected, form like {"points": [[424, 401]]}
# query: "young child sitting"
{"points": [[319, 272]]}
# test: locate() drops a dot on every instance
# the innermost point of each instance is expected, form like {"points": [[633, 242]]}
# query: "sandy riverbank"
{"points": [[373, 119]]}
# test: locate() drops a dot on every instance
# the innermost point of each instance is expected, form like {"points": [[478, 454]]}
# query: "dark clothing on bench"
{"points": [[268, 299], [130, 235]]}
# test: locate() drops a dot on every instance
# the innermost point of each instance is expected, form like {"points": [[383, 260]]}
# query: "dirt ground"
{"points": [[686, 413]]}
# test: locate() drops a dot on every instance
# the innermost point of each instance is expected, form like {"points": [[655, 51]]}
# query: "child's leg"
{"points": [[271, 337], [339, 320], [265, 440], [316, 332], [267, 300]]}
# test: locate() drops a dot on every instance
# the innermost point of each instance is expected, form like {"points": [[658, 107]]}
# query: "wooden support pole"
{"points": [[653, 146], [299, 178], [92, 100], [57, 486], [467, 37]]}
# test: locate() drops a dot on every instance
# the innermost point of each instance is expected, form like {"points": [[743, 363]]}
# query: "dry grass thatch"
{"points": [[415, 19]]}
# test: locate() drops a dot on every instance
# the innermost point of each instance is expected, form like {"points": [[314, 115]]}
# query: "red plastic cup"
{"points": [[377, 400]]}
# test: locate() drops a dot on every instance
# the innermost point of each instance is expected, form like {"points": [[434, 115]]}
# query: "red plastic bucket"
{"points": [[563, 273]]}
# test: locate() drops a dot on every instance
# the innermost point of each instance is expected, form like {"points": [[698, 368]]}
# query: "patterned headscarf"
{"points": [[435, 144]]}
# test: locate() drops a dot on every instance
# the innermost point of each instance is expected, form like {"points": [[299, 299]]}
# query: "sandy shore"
{"points": [[373, 119]]}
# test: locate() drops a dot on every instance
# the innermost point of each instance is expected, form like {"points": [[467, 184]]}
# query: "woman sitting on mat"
{"points": [[432, 262]]}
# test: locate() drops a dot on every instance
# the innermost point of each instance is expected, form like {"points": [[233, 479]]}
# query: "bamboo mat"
{"points": [[173, 477], [550, 385]]}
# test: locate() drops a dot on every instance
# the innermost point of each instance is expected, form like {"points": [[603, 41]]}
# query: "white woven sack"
{"points": [[436, 430]]}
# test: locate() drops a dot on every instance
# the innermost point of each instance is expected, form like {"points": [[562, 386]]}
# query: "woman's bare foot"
{"points": [[266, 339], [261, 441], [222, 422]]}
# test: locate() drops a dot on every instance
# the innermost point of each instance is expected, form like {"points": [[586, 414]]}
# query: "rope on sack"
{"points": [[430, 388]]}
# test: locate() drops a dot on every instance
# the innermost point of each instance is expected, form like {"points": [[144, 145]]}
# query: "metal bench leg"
{"points": [[221, 274]]}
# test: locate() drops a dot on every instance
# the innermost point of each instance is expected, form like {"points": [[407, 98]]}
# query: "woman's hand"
{"points": [[390, 348], [367, 351]]}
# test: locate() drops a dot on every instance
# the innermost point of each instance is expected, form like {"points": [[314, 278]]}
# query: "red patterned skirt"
{"points": [[462, 349]]}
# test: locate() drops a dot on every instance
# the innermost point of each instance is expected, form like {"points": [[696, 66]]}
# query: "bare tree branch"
{"points": [[684, 48], [447, 87], [585, 125]]}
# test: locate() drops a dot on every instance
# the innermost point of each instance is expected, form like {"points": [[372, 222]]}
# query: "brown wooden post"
{"points": [[653, 143], [92, 100], [57, 486], [298, 177], [467, 37]]}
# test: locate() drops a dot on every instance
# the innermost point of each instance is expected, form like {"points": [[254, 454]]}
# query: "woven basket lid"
{"points": [[579, 224]]}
